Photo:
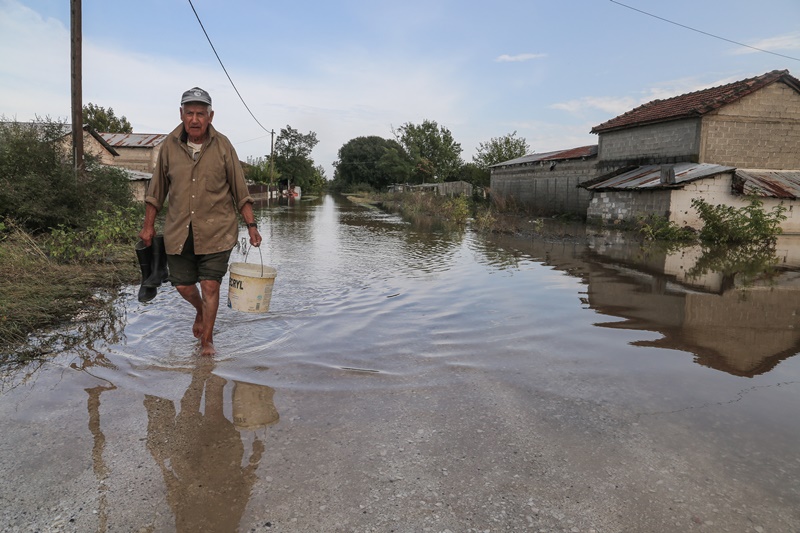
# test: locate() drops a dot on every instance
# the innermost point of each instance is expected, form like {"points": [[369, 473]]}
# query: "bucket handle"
{"points": [[247, 251]]}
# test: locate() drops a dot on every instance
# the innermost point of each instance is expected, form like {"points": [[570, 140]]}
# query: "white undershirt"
{"points": [[195, 148]]}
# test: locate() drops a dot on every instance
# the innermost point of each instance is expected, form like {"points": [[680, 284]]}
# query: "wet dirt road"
{"points": [[411, 379]]}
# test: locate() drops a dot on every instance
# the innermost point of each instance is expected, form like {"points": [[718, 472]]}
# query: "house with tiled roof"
{"points": [[721, 144], [752, 123]]}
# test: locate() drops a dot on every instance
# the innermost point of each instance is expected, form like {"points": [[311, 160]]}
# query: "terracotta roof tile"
{"points": [[695, 104]]}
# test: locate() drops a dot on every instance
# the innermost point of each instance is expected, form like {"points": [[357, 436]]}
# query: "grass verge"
{"points": [[37, 292]]}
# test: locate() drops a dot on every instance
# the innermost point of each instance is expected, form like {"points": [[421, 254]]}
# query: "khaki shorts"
{"points": [[188, 268]]}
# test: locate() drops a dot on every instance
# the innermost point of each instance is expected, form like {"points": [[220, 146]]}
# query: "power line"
{"points": [[223, 67], [706, 33]]}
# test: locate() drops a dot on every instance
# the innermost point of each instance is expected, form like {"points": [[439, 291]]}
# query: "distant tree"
{"points": [[293, 157], [500, 149], [258, 170], [372, 160], [436, 155], [104, 120], [472, 173]]}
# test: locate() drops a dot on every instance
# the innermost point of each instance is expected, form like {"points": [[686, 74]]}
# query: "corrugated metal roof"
{"points": [[769, 183], [134, 140], [697, 103], [649, 177], [558, 155]]}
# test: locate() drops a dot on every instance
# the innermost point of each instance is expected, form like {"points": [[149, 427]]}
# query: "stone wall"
{"points": [[762, 130], [545, 191], [666, 142], [614, 207]]}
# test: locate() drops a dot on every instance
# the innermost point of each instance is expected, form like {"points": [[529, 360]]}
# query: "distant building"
{"points": [[720, 143], [137, 151], [548, 182]]}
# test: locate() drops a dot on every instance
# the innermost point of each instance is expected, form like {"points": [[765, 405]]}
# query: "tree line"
{"points": [[417, 153]]}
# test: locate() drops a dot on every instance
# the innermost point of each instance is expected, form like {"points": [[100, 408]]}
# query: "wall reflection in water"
{"points": [[200, 452], [741, 322]]}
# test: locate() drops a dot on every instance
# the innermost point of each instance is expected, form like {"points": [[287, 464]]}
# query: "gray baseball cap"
{"points": [[196, 94]]}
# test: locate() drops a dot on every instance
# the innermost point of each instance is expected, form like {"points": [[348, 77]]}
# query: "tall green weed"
{"points": [[724, 224]]}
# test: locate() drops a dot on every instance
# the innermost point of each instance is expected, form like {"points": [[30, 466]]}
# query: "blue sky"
{"points": [[548, 69]]}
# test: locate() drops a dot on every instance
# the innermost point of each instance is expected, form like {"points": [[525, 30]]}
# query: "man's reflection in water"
{"points": [[200, 455]]}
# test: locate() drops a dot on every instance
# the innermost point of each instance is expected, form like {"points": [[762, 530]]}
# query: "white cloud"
{"points": [[789, 41], [350, 93], [505, 58], [613, 106], [607, 104]]}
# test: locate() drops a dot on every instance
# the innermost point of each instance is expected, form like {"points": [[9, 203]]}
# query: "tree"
{"points": [[437, 157], [293, 157], [472, 173], [104, 120], [500, 149], [372, 160]]}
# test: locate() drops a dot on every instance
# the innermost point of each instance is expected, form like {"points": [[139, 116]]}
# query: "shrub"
{"points": [[39, 187], [99, 240], [659, 228], [724, 224]]}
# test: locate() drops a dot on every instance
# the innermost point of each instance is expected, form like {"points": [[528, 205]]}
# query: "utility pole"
{"points": [[271, 151], [77, 100]]}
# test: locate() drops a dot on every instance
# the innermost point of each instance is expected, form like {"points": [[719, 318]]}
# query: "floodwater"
{"points": [[409, 378]]}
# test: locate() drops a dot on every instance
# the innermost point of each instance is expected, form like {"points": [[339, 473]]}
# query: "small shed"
{"points": [[635, 192]]}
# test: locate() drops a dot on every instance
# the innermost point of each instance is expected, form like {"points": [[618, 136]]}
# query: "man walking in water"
{"points": [[199, 169]]}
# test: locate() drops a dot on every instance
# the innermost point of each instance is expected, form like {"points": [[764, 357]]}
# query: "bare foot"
{"points": [[207, 349], [197, 327]]}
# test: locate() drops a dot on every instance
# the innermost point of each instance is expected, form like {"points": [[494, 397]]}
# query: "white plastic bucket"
{"points": [[250, 287]]}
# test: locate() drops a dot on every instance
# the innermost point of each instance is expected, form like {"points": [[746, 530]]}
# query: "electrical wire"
{"points": [[224, 69], [705, 33]]}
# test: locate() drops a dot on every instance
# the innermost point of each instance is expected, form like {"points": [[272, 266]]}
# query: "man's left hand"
{"points": [[255, 236]]}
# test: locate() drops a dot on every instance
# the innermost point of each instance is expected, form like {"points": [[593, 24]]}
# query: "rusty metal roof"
{"points": [[559, 155], [769, 183], [649, 177], [134, 140], [697, 103]]}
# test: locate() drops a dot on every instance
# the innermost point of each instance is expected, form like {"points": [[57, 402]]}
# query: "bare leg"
{"points": [[210, 290], [192, 295], [206, 301]]}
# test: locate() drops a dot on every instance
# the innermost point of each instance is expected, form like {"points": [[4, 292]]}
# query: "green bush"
{"points": [[99, 240], [39, 187], [724, 224], [659, 228], [456, 209]]}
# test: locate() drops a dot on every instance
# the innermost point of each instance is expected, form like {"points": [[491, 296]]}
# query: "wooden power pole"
{"points": [[77, 97]]}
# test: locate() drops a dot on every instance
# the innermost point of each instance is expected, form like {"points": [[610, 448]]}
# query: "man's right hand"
{"points": [[149, 224], [147, 235]]}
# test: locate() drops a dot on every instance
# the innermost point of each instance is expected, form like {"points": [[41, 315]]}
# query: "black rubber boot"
{"points": [[158, 269], [145, 256]]}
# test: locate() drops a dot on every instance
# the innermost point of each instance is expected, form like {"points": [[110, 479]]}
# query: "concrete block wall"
{"points": [[545, 191], [614, 207], [666, 142], [762, 130]]}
